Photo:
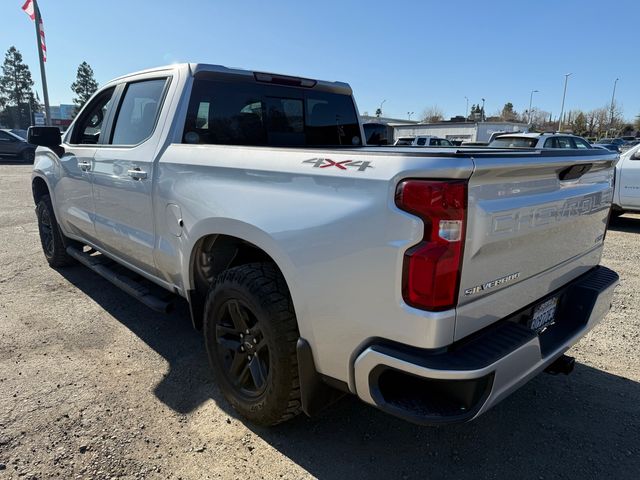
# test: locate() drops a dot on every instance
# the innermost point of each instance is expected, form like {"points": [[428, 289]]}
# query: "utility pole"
{"points": [[530, 103], [564, 94], [45, 91], [482, 117], [613, 97]]}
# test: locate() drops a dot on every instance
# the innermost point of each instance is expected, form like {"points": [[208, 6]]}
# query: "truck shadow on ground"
{"points": [[583, 426], [625, 223]]}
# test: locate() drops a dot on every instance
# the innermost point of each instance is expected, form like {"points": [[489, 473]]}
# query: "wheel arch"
{"points": [[39, 188], [211, 253]]}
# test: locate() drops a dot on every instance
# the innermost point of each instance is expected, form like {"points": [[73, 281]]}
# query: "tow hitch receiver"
{"points": [[563, 364]]}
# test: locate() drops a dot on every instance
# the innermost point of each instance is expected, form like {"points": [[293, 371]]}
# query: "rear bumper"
{"points": [[463, 381]]}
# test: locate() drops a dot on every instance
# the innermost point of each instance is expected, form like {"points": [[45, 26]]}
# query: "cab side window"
{"points": [[564, 142], [89, 128], [580, 143], [138, 112]]}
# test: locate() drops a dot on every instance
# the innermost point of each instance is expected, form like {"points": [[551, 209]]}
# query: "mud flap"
{"points": [[315, 393]]}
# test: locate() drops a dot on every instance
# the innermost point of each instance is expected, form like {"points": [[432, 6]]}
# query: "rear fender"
{"points": [[248, 233]]}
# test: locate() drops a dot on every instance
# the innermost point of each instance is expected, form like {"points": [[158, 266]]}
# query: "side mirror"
{"points": [[45, 137]]}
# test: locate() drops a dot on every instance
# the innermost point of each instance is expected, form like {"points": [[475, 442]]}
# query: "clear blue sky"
{"points": [[412, 53]]}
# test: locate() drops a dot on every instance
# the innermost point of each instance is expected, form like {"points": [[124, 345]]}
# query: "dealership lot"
{"points": [[95, 385]]}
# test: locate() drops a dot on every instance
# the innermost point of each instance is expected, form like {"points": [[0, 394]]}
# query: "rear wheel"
{"points": [[51, 237], [251, 333]]}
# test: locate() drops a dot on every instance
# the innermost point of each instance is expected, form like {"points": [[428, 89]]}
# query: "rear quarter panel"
{"points": [[335, 234]]}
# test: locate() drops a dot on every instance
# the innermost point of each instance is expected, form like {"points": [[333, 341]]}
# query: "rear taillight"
{"points": [[431, 272]]}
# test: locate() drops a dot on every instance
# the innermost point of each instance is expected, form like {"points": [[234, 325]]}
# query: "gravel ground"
{"points": [[95, 385]]}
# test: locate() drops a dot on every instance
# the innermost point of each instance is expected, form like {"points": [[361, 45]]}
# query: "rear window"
{"points": [[561, 142], [404, 141], [440, 142], [510, 142], [376, 134], [246, 113]]}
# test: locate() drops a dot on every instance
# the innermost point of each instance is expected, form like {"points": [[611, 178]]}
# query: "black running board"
{"points": [[122, 279]]}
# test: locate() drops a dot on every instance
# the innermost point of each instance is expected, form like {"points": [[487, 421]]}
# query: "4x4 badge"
{"points": [[360, 165]]}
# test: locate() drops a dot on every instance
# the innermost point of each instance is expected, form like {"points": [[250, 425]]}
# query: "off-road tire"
{"points": [[51, 238], [260, 291]]}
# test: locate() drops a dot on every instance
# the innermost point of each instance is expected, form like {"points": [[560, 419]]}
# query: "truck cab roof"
{"points": [[206, 69]]}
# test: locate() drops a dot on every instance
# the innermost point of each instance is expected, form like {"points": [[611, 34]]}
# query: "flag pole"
{"points": [[45, 92]]}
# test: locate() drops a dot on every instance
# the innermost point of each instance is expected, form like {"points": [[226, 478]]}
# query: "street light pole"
{"points": [[380, 107], [466, 110], [564, 94], [530, 103], [613, 97], [409, 114]]}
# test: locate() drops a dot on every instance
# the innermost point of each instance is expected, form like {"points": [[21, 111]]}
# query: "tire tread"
{"points": [[267, 286]]}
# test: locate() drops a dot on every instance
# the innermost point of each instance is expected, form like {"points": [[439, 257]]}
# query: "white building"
{"points": [[463, 131]]}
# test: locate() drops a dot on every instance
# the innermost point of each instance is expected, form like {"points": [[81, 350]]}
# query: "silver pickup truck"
{"points": [[430, 282]]}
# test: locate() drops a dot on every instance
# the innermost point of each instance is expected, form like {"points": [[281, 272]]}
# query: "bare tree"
{"points": [[432, 114], [539, 120], [592, 122], [616, 118], [602, 120]]}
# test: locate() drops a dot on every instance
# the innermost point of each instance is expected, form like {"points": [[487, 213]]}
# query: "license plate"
{"points": [[544, 315]]}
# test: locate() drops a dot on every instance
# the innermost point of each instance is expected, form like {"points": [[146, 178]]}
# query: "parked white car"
{"points": [[540, 140], [423, 141], [626, 196]]}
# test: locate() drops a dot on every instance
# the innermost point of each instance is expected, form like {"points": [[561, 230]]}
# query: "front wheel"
{"points": [[50, 235], [251, 332]]}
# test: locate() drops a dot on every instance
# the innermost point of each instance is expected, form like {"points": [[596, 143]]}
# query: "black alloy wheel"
{"points": [[52, 239], [242, 349], [45, 228], [250, 331]]}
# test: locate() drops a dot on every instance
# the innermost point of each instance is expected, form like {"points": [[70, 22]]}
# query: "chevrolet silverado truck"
{"points": [[431, 283]]}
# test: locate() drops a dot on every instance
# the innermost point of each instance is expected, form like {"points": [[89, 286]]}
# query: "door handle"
{"points": [[137, 174], [84, 166]]}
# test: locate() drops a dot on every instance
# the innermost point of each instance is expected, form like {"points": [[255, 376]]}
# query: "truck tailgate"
{"points": [[534, 222]]}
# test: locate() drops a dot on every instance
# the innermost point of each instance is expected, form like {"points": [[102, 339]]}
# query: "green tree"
{"points": [[636, 123], [84, 86], [508, 113], [16, 93], [579, 125], [626, 129]]}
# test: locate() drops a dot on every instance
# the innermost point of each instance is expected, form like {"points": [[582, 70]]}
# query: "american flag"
{"points": [[29, 8]]}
